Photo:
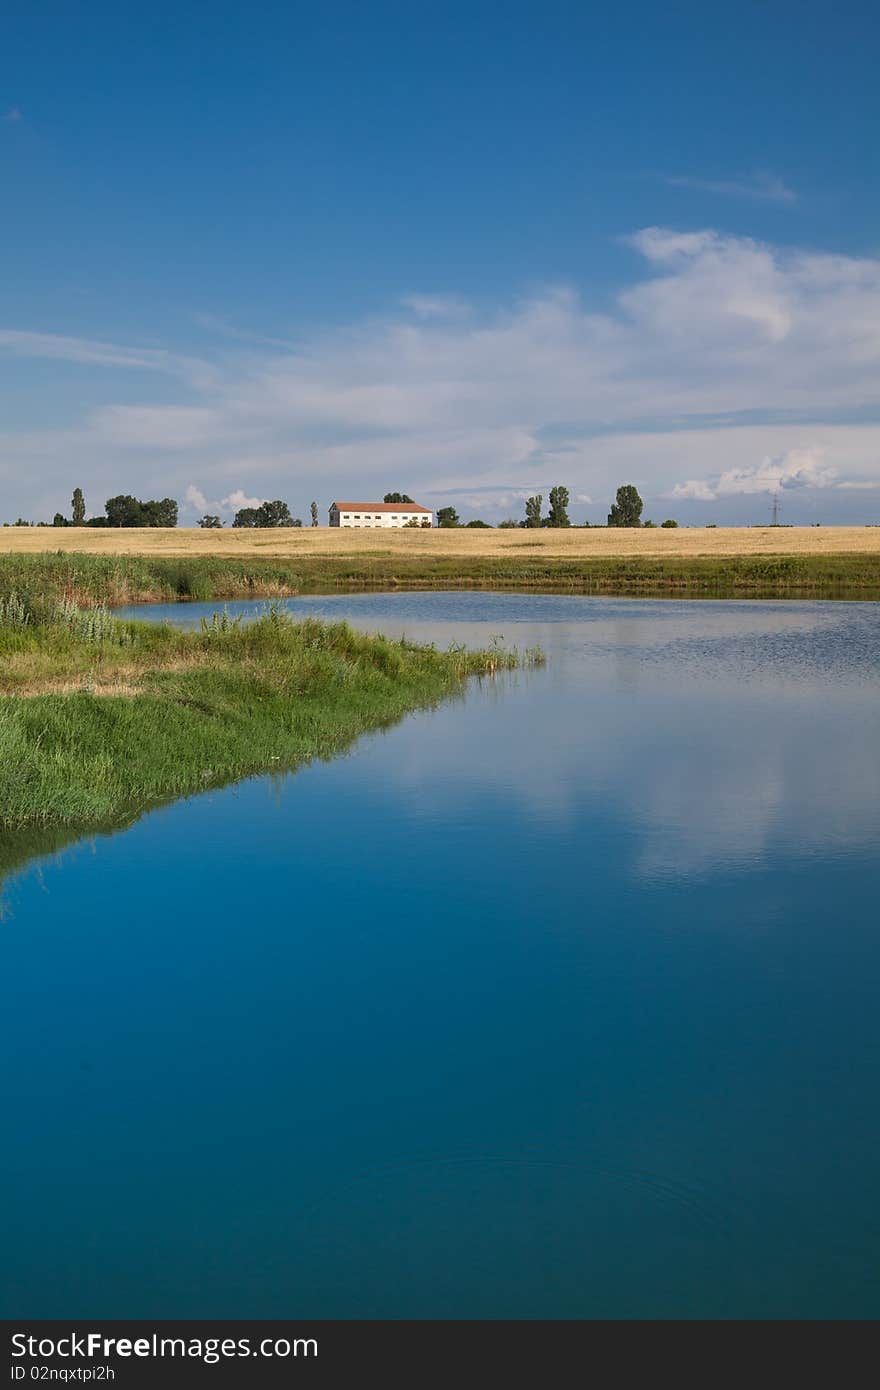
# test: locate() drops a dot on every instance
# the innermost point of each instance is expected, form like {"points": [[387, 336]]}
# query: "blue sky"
{"points": [[317, 251]]}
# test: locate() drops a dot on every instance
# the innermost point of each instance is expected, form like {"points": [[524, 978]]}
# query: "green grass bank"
{"points": [[121, 579], [101, 719]]}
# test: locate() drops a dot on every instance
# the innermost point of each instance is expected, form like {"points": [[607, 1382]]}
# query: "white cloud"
{"points": [[803, 467], [664, 246], [197, 501], [694, 489], [762, 187], [797, 468], [719, 365], [239, 499], [196, 498], [732, 297]]}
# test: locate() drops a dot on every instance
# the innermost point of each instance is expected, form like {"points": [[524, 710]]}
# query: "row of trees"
{"points": [[131, 511], [278, 513], [448, 517], [558, 516], [626, 510], [123, 510], [267, 514], [126, 511]]}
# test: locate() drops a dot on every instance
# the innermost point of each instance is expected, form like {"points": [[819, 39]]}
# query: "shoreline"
{"points": [[118, 579], [103, 718]]}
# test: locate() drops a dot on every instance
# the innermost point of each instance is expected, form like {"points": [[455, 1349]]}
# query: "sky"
{"points": [[466, 251]]}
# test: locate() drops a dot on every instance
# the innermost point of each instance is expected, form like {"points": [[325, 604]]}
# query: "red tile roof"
{"points": [[378, 507]]}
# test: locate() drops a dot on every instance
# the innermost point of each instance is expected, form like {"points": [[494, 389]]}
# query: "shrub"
{"points": [[220, 624], [95, 625], [15, 611]]}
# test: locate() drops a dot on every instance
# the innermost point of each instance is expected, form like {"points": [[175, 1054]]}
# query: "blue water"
{"points": [[560, 1000]]}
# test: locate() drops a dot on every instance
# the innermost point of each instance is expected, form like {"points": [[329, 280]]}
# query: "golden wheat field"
{"points": [[574, 544]]}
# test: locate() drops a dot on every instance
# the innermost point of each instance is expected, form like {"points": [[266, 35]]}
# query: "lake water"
{"points": [[560, 1000]]}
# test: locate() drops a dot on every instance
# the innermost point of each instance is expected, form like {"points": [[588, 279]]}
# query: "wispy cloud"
{"points": [[215, 323], [760, 187], [13, 115], [102, 354], [436, 306]]}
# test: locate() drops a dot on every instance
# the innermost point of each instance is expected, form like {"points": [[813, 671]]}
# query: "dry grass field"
{"points": [[332, 543]]}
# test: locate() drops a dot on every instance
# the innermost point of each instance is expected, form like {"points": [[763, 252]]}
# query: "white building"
{"points": [[365, 514]]}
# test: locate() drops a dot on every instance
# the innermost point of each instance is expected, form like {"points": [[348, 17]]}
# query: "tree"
{"points": [[275, 513], [123, 510], [483, 525], [509, 525], [314, 511], [210, 523], [397, 497], [447, 517], [163, 513], [78, 505], [412, 525], [60, 520], [669, 522], [267, 514], [533, 510], [627, 510], [558, 507]]}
